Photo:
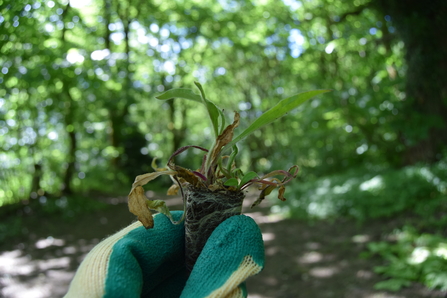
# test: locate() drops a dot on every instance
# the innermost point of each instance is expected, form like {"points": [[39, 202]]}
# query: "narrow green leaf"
{"points": [[232, 157], [237, 172], [222, 121], [214, 114], [213, 111], [231, 182], [280, 109], [247, 177], [181, 93]]}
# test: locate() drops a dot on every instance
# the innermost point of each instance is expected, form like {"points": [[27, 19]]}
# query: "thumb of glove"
{"points": [[234, 252]]}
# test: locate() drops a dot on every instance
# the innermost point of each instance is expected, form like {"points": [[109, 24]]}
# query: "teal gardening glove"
{"points": [[139, 262]]}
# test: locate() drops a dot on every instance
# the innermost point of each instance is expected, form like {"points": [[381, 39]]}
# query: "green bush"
{"points": [[412, 257], [364, 193]]}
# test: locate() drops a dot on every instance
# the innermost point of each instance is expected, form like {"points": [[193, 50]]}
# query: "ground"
{"points": [[319, 259]]}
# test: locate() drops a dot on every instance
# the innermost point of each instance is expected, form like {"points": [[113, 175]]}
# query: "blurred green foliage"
{"points": [[412, 257], [78, 113], [77, 107], [366, 193]]}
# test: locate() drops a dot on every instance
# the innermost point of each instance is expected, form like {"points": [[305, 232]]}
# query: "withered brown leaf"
{"points": [[138, 203], [173, 190], [281, 191], [225, 137], [138, 206]]}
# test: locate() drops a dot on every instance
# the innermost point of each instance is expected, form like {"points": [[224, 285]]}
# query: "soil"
{"points": [[319, 259]]}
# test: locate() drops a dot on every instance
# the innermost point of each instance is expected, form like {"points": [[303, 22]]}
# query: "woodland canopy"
{"points": [[79, 78]]}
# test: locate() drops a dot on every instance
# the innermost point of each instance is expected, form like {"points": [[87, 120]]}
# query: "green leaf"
{"points": [[213, 111], [232, 157], [247, 177], [180, 93], [161, 207], [222, 121], [231, 182], [393, 284], [280, 109], [237, 172]]}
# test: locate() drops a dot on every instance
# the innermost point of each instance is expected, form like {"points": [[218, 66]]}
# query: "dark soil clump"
{"points": [[205, 210]]}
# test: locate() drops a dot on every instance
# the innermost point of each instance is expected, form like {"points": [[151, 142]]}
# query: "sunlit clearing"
{"points": [[323, 272], [73, 56], [49, 27], [360, 238], [372, 184], [169, 67], [320, 209], [296, 41], [12, 262], [260, 218], [117, 37], [100, 54], [221, 71], [383, 295], [54, 263], [268, 237], [44, 278], [49, 241], [310, 257], [293, 4], [419, 255], [80, 3], [255, 295], [53, 135], [361, 149], [330, 48], [364, 274], [441, 250]]}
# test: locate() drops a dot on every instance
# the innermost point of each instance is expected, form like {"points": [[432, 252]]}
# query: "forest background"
{"points": [[79, 118]]}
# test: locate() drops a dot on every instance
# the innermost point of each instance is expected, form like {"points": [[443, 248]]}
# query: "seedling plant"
{"points": [[215, 190]]}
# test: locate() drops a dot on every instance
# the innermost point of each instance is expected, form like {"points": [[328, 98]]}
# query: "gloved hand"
{"points": [[136, 262]]}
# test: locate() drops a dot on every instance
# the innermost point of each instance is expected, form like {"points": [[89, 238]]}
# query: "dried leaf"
{"points": [[173, 190], [281, 191], [225, 137], [145, 178], [187, 175], [214, 187], [138, 206], [137, 199]]}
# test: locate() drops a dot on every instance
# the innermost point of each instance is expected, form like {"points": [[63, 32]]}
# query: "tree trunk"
{"points": [[421, 26], [71, 162], [37, 175], [69, 116], [119, 109]]}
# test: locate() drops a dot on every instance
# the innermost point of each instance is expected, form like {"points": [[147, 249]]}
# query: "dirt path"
{"points": [[302, 259]]}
